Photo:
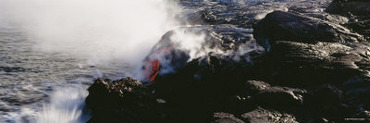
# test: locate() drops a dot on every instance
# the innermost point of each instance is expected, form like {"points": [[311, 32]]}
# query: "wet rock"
{"points": [[315, 70], [327, 100], [357, 10], [364, 115], [328, 94], [261, 115], [360, 26], [280, 97], [356, 7], [301, 64], [338, 19], [221, 117], [239, 13], [254, 87], [289, 26], [274, 96], [123, 100]]}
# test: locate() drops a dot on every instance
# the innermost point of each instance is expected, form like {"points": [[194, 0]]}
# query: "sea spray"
{"points": [[66, 106]]}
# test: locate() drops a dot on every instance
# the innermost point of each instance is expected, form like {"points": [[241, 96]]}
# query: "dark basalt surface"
{"points": [[288, 26], [316, 69], [358, 11]]}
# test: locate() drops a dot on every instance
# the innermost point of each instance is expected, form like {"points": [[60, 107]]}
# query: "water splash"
{"points": [[66, 106]]}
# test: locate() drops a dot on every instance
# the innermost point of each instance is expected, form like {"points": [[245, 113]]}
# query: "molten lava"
{"points": [[154, 65]]}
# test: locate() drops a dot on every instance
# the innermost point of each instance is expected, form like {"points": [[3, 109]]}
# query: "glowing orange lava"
{"points": [[155, 65]]}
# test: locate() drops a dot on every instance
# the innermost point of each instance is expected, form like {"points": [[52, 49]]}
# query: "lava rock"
{"points": [[301, 64], [123, 100], [239, 13], [254, 87], [221, 117], [357, 10], [361, 26], [280, 97], [274, 96], [357, 7], [289, 26], [315, 70], [261, 115], [328, 94], [211, 44]]}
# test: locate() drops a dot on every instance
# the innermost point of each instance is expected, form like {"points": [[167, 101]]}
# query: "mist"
{"points": [[98, 31]]}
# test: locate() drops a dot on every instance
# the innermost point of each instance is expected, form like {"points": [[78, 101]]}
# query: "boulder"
{"points": [[221, 117], [328, 94], [289, 26], [253, 87], [261, 115], [345, 7], [297, 64], [209, 46], [202, 79], [280, 97], [276, 97], [122, 100]]}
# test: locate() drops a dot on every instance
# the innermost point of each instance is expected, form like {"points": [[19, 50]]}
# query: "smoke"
{"points": [[100, 31]]}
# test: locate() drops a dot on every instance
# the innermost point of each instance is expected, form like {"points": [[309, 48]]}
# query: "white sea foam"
{"points": [[65, 106]]}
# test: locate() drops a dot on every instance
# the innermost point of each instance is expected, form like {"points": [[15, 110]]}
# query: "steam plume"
{"points": [[100, 31]]}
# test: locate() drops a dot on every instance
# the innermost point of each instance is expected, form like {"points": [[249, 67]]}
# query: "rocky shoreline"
{"points": [[300, 66]]}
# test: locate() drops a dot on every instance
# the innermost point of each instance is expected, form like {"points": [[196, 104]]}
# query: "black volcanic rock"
{"points": [[300, 64], [361, 26], [315, 71], [357, 10], [253, 87], [356, 7], [274, 97], [123, 100], [221, 117], [328, 94], [288, 26], [223, 48], [261, 115], [279, 97]]}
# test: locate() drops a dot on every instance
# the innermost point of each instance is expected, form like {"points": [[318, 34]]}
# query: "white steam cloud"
{"points": [[100, 31]]}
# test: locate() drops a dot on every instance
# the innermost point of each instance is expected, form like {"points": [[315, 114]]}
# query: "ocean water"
{"points": [[38, 86]]}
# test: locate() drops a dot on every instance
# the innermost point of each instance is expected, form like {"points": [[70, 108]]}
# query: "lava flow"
{"points": [[154, 64]]}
